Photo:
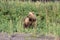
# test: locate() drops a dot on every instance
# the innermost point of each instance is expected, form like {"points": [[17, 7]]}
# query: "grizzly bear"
{"points": [[30, 20]]}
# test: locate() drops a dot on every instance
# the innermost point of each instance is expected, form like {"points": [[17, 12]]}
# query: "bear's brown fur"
{"points": [[30, 20]]}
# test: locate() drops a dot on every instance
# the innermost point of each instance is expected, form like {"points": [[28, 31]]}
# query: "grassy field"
{"points": [[12, 14]]}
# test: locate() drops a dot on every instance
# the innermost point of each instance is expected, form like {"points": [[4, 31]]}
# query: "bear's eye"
{"points": [[30, 19]]}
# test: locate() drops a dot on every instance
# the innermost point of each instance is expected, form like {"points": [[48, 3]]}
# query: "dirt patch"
{"points": [[5, 36]]}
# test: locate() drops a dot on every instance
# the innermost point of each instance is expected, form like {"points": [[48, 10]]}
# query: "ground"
{"points": [[21, 36]]}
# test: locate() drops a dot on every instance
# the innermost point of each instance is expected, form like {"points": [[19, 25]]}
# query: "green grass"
{"points": [[12, 14]]}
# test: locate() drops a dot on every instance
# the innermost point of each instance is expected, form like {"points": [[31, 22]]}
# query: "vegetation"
{"points": [[12, 14]]}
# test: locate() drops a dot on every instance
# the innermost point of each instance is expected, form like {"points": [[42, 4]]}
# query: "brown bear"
{"points": [[30, 20]]}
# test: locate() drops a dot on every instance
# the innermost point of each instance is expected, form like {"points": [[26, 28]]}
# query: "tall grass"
{"points": [[12, 14]]}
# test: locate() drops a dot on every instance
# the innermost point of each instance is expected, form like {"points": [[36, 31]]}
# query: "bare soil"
{"points": [[5, 36]]}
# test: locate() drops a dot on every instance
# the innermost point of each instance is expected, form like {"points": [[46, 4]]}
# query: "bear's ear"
{"points": [[31, 13]]}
